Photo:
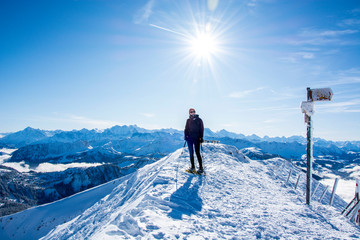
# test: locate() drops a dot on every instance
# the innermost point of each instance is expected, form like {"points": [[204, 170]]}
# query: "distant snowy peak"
{"points": [[72, 136], [121, 130], [225, 133], [298, 139], [24, 137], [257, 154], [254, 138]]}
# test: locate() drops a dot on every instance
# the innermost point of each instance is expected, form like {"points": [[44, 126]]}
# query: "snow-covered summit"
{"points": [[238, 198], [26, 136]]}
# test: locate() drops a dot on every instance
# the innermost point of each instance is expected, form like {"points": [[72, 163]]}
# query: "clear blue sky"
{"points": [[243, 65]]}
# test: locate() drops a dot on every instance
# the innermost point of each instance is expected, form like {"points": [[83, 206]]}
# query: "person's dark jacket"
{"points": [[194, 128]]}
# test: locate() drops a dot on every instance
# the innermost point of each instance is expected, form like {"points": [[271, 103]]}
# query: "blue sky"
{"points": [[243, 65]]}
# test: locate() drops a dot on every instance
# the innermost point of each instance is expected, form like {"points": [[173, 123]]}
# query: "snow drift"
{"points": [[238, 199]]}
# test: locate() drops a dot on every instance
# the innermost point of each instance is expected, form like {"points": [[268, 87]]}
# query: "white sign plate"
{"points": [[321, 94], [307, 108]]}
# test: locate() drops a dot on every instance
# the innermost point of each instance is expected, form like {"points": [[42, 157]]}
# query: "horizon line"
{"points": [[170, 128]]}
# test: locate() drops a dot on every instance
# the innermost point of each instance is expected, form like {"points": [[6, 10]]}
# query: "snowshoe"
{"points": [[200, 172], [191, 170]]}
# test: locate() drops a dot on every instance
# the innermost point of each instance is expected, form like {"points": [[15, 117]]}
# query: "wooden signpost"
{"points": [[307, 107]]}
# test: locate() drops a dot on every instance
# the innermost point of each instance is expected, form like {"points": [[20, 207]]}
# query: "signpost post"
{"points": [[307, 107], [309, 152]]}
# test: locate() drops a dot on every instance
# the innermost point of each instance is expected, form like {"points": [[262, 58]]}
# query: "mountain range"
{"points": [[37, 162], [30, 136]]}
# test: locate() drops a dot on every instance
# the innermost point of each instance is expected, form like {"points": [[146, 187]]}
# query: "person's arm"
{"points": [[186, 131], [201, 130]]}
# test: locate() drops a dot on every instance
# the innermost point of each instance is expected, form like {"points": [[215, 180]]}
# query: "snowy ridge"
{"points": [[36, 222], [239, 198]]}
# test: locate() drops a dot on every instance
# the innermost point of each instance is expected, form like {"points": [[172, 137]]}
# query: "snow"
{"points": [[345, 188], [18, 166], [253, 149], [354, 171], [36, 222], [3, 158], [47, 167], [307, 108], [8, 150], [239, 198], [132, 157], [5, 154]]}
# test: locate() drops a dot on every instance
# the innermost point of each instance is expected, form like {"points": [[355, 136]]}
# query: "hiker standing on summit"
{"points": [[194, 133]]}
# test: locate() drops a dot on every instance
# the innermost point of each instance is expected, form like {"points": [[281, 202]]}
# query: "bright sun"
{"points": [[203, 45]]}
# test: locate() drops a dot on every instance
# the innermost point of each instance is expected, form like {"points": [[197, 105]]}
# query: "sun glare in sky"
{"points": [[203, 45]]}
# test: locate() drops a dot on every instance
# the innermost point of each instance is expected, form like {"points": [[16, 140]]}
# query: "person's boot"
{"points": [[200, 171]]}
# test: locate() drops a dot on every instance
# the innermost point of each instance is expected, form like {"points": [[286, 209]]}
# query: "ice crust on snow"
{"points": [[239, 198]]}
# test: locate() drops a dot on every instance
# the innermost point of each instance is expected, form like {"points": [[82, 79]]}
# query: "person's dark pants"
{"points": [[191, 145]]}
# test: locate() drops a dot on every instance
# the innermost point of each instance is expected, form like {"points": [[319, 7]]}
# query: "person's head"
{"points": [[192, 111]]}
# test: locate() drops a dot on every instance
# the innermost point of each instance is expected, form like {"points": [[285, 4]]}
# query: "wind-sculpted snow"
{"points": [[239, 198]]}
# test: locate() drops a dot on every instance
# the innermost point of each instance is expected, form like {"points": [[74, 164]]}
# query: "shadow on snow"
{"points": [[186, 200]]}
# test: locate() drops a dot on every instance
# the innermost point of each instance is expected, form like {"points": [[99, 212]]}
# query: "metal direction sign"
{"points": [[307, 107], [321, 94]]}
